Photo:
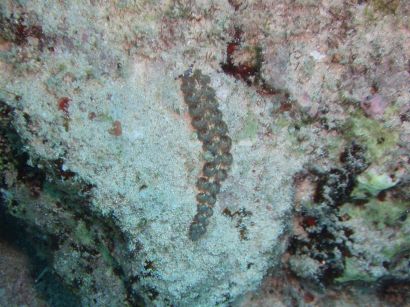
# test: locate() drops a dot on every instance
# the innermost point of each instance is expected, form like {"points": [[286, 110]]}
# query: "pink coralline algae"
{"points": [[374, 105]]}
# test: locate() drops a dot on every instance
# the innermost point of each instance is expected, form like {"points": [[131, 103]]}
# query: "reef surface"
{"points": [[207, 153]]}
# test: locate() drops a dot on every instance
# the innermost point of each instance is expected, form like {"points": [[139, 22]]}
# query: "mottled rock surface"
{"points": [[101, 153]]}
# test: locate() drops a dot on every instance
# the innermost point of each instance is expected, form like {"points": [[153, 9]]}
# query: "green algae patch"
{"points": [[250, 128], [371, 184], [282, 122], [378, 138], [380, 214], [83, 235], [383, 214], [401, 248], [354, 272]]}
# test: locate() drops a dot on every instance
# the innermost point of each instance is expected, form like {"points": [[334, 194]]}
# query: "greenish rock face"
{"points": [[378, 138], [389, 221], [354, 272], [380, 214]]}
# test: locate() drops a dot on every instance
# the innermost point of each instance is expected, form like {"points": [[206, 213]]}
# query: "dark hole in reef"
{"points": [[348, 232], [403, 216], [30, 240], [152, 293], [149, 265], [394, 291], [405, 117], [386, 264], [382, 196]]}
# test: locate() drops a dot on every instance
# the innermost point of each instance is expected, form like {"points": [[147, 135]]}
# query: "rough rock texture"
{"points": [[100, 162], [144, 177], [16, 284]]}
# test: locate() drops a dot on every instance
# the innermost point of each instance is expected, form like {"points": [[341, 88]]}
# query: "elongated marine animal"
{"points": [[212, 131]]}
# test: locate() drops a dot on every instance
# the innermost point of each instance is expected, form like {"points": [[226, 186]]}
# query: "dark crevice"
{"points": [[40, 242]]}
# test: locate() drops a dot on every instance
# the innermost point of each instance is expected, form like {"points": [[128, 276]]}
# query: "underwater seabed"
{"points": [[202, 153]]}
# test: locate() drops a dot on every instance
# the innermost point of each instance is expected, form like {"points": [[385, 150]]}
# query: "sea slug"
{"points": [[212, 131]]}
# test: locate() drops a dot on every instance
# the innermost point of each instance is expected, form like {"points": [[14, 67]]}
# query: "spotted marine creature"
{"points": [[212, 131]]}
